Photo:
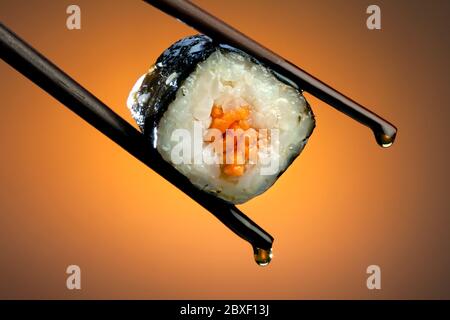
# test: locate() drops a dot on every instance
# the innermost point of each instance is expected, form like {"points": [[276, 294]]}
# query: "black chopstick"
{"points": [[220, 31], [50, 78]]}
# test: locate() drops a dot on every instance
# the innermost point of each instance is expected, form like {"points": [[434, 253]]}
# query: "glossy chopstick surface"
{"points": [[218, 30], [50, 78]]}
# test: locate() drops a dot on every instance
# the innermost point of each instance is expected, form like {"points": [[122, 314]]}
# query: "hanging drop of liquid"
{"points": [[262, 256], [385, 139]]}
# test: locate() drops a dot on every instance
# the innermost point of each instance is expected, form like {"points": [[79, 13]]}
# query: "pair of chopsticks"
{"points": [[50, 78]]}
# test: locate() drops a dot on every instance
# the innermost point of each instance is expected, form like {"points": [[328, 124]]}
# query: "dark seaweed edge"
{"points": [[182, 57]]}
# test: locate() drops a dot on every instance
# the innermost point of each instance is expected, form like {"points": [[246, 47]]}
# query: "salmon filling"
{"points": [[234, 161]]}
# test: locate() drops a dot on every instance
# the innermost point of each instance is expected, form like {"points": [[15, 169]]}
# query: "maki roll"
{"points": [[221, 118]]}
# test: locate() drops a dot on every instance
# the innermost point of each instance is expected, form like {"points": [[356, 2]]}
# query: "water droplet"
{"points": [[385, 140], [262, 256], [386, 145]]}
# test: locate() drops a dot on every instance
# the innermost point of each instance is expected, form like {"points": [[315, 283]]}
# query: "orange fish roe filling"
{"points": [[233, 119]]}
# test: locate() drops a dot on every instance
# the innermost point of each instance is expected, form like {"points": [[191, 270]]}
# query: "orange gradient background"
{"points": [[68, 195]]}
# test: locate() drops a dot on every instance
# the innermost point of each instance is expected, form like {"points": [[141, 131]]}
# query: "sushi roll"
{"points": [[221, 118]]}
